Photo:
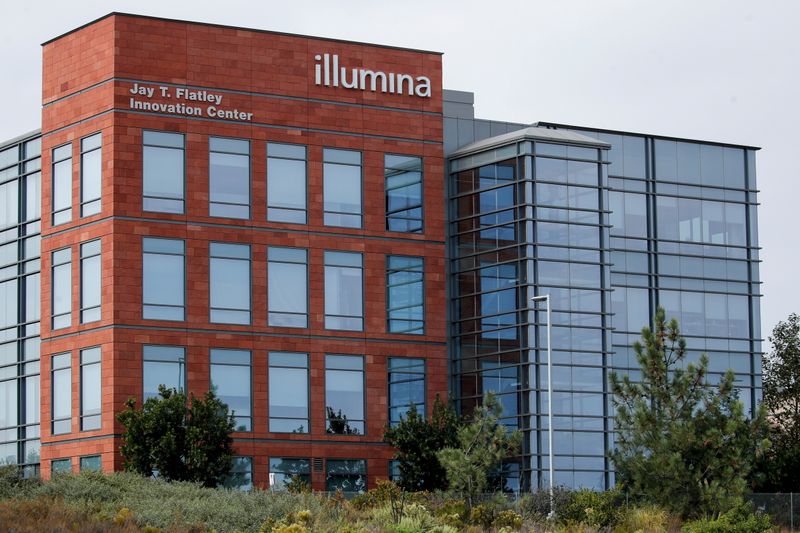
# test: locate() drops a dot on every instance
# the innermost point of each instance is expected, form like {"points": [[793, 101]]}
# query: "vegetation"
{"points": [[780, 468], [682, 442], [180, 440], [483, 444], [127, 502], [418, 440]]}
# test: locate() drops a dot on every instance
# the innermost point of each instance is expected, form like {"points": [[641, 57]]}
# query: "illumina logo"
{"points": [[329, 74]]}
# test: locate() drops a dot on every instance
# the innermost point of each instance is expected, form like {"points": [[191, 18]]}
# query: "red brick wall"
{"points": [[87, 78]]}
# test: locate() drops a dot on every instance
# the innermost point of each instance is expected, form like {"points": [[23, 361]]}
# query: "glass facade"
{"points": [[283, 470], [406, 387], [287, 287], [229, 280], [609, 234], [344, 291], [162, 365], [91, 388], [20, 225], [405, 294], [91, 174], [163, 279], [344, 394]]}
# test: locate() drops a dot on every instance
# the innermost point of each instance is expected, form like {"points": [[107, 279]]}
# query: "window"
{"points": [[62, 288], [163, 174], [347, 475], [91, 172], [403, 176], [61, 394], [90, 389], [9, 205], [287, 280], [230, 379], [163, 281], [62, 184], [230, 283], [163, 365], [344, 306], [229, 178], [288, 392], [344, 394], [286, 183], [90, 463], [60, 466], [90, 282], [284, 470], [342, 188], [406, 387], [394, 471], [405, 295], [241, 474]]}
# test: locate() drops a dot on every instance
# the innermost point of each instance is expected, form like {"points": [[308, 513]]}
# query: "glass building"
{"points": [[324, 278], [610, 225], [20, 214]]}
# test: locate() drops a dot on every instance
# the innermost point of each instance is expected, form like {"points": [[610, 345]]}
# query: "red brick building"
{"points": [[233, 91]]}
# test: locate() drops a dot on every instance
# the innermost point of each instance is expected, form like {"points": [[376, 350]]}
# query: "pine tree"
{"points": [[483, 444], [781, 468], [417, 440], [682, 442]]}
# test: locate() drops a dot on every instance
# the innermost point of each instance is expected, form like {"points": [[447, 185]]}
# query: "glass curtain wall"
{"points": [[20, 217], [529, 219]]}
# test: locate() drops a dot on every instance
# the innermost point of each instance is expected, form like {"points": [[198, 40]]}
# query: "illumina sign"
{"points": [[327, 72], [183, 101]]}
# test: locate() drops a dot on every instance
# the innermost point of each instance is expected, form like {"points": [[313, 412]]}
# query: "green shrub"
{"points": [[646, 519], [742, 518], [536, 505], [508, 519], [597, 509], [13, 485], [482, 515]]}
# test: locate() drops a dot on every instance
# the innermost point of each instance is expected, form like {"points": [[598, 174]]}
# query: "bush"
{"points": [[647, 519], [536, 505], [742, 518], [13, 485], [597, 509], [508, 519]]}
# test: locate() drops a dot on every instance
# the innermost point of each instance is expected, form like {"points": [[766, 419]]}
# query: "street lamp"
{"points": [[546, 298]]}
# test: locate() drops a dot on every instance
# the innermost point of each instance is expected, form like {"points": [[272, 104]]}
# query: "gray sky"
{"points": [[722, 70]]}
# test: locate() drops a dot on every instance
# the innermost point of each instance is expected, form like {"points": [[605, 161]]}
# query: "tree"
{"points": [[483, 444], [781, 467], [682, 442], [182, 441], [417, 440]]}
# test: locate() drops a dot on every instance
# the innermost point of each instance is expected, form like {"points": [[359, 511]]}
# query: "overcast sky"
{"points": [[722, 70]]}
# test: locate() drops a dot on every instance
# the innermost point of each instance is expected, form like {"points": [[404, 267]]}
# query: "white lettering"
{"points": [[328, 72]]}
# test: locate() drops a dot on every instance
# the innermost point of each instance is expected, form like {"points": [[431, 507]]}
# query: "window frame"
{"points": [[81, 415], [83, 258], [145, 197], [67, 368], [53, 162], [362, 271], [84, 202], [249, 157], [249, 366], [386, 190], [360, 166], [249, 261], [416, 331], [181, 363], [305, 182], [307, 368], [183, 257], [53, 288], [424, 379], [307, 283], [363, 372]]}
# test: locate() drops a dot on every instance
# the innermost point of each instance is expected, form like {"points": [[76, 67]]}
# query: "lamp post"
{"points": [[546, 298]]}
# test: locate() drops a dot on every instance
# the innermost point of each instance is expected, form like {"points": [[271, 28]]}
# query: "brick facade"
{"points": [[87, 77]]}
